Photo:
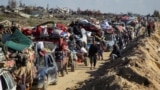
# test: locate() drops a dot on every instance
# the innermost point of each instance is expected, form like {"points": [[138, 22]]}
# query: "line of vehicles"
{"points": [[47, 69], [53, 59]]}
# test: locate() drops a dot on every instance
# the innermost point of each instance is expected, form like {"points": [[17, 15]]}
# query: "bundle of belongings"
{"points": [[106, 27], [15, 42], [18, 41]]}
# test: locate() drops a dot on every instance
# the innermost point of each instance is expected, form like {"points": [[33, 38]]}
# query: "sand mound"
{"points": [[138, 69]]}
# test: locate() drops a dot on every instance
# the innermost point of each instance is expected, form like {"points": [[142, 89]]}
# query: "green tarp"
{"points": [[18, 41]]}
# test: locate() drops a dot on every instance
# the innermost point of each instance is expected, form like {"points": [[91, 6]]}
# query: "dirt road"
{"points": [[82, 73]]}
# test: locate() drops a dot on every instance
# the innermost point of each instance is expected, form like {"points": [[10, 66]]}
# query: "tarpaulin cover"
{"points": [[120, 28], [105, 25], [18, 41]]}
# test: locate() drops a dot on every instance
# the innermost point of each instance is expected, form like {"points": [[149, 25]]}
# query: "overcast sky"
{"points": [[114, 6]]}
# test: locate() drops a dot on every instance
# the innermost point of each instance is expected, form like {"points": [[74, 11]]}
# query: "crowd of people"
{"points": [[75, 40]]}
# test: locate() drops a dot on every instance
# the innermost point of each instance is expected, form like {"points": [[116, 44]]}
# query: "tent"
{"points": [[18, 41]]}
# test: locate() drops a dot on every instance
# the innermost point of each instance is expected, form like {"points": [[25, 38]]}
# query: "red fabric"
{"points": [[79, 60], [61, 26], [64, 46], [42, 52], [27, 32], [93, 28], [49, 30], [151, 25], [38, 30], [56, 41], [61, 42]]}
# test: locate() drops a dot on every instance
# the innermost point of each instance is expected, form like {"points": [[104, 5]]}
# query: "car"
{"points": [[47, 72], [6, 80], [109, 41]]}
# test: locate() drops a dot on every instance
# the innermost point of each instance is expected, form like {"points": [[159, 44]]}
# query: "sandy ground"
{"points": [[81, 74], [137, 69]]}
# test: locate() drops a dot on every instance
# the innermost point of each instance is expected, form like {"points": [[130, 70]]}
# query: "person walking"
{"points": [[93, 50], [101, 48], [150, 27]]}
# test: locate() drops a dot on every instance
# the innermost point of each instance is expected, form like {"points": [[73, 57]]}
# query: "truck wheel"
{"points": [[73, 66], [56, 77]]}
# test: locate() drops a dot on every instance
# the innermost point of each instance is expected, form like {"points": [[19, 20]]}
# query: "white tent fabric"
{"points": [[84, 35], [105, 25]]}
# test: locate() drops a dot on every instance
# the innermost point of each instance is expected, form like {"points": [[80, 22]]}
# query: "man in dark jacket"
{"points": [[93, 50], [150, 27], [116, 50]]}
